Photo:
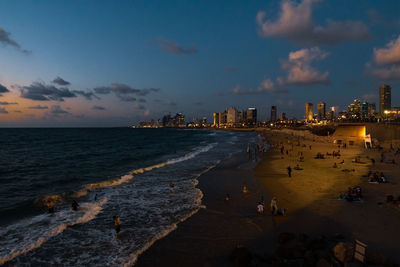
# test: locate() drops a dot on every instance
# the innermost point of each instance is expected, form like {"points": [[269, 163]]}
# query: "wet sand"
{"points": [[310, 195]]}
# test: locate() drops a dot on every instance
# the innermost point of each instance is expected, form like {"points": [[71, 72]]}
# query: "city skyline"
{"points": [[98, 63]]}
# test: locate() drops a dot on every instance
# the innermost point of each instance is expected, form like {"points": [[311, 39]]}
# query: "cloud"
{"points": [[98, 108], [6, 40], [147, 112], [295, 23], [266, 86], [17, 111], [124, 92], [139, 106], [3, 111], [230, 69], [8, 103], [38, 107], [386, 61], [390, 73], [198, 103], [142, 100], [388, 55], [57, 110], [60, 81], [170, 47], [43, 92], [87, 95], [300, 71], [3, 89]]}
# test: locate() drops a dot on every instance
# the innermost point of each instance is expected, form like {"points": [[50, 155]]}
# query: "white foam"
{"points": [[134, 256], [27, 235], [128, 177]]}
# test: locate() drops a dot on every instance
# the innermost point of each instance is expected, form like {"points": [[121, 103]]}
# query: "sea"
{"points": [[110, 172]]}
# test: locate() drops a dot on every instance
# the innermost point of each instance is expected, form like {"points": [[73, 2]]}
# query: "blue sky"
{"points": [[120, 62]]}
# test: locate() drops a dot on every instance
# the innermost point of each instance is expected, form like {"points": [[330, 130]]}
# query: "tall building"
{"points": [[354, 109], [216, 119], [251, 116], [308, 112], [384, 98], [273, 113], [232, 116], [364, 110], [282, 116], [222, 117], [321, 108], [371, 110]]}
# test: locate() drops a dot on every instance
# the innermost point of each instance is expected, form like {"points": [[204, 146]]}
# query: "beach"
{"points": [[311, 197]]}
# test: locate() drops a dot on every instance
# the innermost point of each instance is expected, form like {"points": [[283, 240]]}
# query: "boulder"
{"points": [[241, 256], [343, 252], [283, 238]]}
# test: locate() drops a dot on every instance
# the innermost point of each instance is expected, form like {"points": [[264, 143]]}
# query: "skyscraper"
{"points": [[384, 98], [232, 116], [273, 113], [321, 111], [308, 112], [251, 116]]}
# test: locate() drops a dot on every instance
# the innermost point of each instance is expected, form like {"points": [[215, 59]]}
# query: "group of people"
{"points": [[274, 208], [353, 194], [376, 177]]}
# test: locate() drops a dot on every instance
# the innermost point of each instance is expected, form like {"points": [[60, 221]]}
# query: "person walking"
{"points": [[289, 171], [274, 206], [117, 224]]}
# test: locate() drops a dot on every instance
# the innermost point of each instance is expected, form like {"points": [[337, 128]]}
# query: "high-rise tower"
{"points": [[308, 112], [385, 92]]}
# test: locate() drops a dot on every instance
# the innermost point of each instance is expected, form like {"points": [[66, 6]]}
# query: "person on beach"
{"points": [[171, 185], [249, 151], [274, 206], [244, 189], [75, 205], [289, 171], [50, 206], [260, 208], [95, 197], [117, 224]]}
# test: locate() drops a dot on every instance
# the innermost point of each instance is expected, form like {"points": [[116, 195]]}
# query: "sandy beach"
{"points": [[311, 197]]}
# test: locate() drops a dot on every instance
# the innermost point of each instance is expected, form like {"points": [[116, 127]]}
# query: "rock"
{"points": [[316, 243], [303, 237], [323, 263], [343, 252], [283, 238], [309, 258], [389, 198], [241, 256], [376, 258]]}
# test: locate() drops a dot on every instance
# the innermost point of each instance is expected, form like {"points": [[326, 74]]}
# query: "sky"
{"points": [[116, 63]]}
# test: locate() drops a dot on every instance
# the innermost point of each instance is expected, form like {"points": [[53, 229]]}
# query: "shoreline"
{"points": [[311, 197]]}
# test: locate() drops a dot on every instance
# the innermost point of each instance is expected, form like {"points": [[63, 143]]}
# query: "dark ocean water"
{"points": [[129, 170]]}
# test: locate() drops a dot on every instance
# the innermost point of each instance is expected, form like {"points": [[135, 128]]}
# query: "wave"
{"points": [[135, 255], [128, 177], [41, 228]]}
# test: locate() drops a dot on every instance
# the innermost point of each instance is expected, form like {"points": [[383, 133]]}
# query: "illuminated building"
{"points": [[384, 98], [216, 119], [232, 116], [321, 111], [371, 109], [282, 116], [251, 116], [354, 109], [222, 118], [273, 113], [308, 112]]}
